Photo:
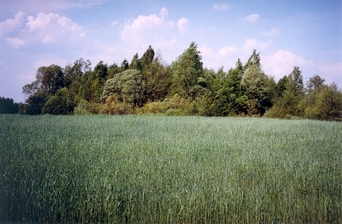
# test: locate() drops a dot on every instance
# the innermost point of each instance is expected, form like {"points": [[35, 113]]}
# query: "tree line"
{"points": [[147, 85], [7, 106]]}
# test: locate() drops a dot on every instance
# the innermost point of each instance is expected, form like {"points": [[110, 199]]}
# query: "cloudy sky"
{"points": [[34, 33]]}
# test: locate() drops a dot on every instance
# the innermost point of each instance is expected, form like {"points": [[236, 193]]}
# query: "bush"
{"points": [[174, 105], [86, 108], [61, 103], [114, 106]]}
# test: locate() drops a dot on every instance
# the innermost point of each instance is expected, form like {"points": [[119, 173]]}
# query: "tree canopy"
{"points": [[184, 87]]}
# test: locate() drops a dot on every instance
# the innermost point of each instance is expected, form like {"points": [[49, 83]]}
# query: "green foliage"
{"points": [[124, 65], [100, 71], [128, 86], [281, 86], [230, 98], [290, 91], [35, 103], [114, 106], [96, 88], [48, 81], [157, 169], [135, 63], [113, 70], [74, 73], [253, 61], [147, 57], [7, 106], [51, 78], [149, 81], [86, 108], [255, 83], [295, 83], [314, 83], [157, 77], [61, 103], [186, 72], [174, 105], [74, 78], [323, 103]]}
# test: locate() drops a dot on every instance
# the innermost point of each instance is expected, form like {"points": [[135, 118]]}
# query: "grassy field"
{"points": [[157, 169]]}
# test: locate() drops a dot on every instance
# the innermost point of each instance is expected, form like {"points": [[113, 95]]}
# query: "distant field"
{"points": [[158, 169]]}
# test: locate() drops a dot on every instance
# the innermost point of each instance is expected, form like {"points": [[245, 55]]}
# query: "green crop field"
{"points": [[159, 169]]}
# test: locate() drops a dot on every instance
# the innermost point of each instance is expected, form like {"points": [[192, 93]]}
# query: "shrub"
{"points": [[114, 106], [85, 108]]}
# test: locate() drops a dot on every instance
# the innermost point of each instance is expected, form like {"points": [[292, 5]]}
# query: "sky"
{"points": [[35, 33]]}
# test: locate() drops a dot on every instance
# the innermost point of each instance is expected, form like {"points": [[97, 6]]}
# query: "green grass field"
{"points": [[158, 169]]}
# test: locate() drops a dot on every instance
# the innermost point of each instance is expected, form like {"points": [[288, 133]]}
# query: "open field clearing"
{"points": [[158, 169]]}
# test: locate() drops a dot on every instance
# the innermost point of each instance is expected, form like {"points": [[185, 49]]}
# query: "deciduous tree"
{"points": [[255, 84], [187, 70], [128, 86], [61, 103], [147, 57], [7, 106]]}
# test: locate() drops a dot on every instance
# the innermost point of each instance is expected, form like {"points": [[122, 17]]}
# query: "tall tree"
{"points": [[255, 83], [295, 82], [113, 70], [127, 86], [281, 86], [147, 57], [100, 71], [323, 103], [314, 83], [124, 65], [35, 103], [230, 99], [7, 106], [253, 60], [76, 71], [187, 70], [61, 103], [52, 78], [48, 81], [75, 76], [157, 77], [290, 92], [135, 63]]}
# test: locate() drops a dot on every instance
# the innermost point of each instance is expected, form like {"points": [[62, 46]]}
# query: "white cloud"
{"points": [[182, 24], [12, 24], [251, 44], [35, 6], [331, 72], [270, 33], [114, 23], [163, 12], [221, 7], [227, 50], [143, 27], [50, 27], [282, 62], [228, 55], [47, 28], [205, 51], [251, 18], [15, 42], [209, 57], [156, 30]]}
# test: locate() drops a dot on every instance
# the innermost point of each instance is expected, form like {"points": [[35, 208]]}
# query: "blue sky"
{"points": [[289, 33]]}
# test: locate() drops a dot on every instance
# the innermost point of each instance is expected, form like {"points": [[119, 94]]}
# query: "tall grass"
{"points": [[157, 169]]}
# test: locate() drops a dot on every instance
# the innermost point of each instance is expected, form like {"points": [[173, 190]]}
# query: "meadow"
{"points": [[160, 169]]}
